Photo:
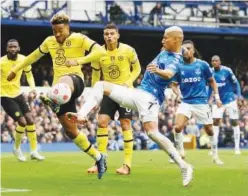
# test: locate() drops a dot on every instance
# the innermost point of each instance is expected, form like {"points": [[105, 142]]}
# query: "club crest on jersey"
{"points": [[120, 58], [68, 43], [182, 73], [198, 71], [223, 78]]}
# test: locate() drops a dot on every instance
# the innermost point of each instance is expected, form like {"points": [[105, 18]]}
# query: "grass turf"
{"points": [[64, 174]]}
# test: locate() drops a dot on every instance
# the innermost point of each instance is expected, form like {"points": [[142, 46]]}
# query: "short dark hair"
{"points": [[111, 26], [60, 18], [189, 42], [197, 53], [12, 40]]}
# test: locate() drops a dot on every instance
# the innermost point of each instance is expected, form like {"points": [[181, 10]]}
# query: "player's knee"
{"points": [[72, 134], [178, 128], [102, 123], [29, 118], [209, 130], [234, 122], [22, 121], [216, 122], [125, 124], [104, 87]]}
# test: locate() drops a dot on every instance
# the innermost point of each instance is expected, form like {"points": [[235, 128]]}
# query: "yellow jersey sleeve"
{"points": [[133, 57], [43, 48], [88, 43]]}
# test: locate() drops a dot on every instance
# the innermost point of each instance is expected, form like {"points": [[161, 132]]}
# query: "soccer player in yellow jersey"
{"points": [[67, 48], [14, 103], [120, 66]]}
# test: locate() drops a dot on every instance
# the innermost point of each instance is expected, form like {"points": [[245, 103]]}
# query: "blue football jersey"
{"points": [[192, 79], [226, 82], [155, 84]]}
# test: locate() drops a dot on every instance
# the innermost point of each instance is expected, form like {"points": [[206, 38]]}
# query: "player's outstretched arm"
{"points": [[30, 59], [165, 74], [214, 86], [95, 54], [30, 78]]}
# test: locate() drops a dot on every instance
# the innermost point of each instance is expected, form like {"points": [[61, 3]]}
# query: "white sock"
{"points": [[166, 145], [179, 143], [93, 99], [236, 133], [216, 130], [214, 146]]}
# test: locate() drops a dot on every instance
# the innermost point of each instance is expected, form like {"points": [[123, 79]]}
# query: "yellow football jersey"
{"points": [[72, 48], [116, 65], [13, 88]]}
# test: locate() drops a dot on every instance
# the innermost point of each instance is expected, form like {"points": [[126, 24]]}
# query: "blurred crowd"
{"points": [[49, 129]]}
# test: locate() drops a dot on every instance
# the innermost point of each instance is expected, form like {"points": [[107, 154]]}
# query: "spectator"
{"points": [[157, 10], [117, 15]]}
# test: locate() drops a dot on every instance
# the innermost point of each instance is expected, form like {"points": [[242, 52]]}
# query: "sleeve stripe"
{"points": [[92, 47], [96, 69], [41, 51], [27, 71]]}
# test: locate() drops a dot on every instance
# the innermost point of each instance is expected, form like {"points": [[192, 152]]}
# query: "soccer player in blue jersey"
{"points": [[192, 78], [148, 97], [230, 91]]}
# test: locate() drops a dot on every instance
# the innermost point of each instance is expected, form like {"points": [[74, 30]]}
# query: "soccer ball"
{"points": [[60, 93]]}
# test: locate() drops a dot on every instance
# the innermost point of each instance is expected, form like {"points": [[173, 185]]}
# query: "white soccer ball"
{"points": [[60, 93]]}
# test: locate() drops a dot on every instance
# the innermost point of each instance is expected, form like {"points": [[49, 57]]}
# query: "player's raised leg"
{"points": [[92, 100], [76, 86]]}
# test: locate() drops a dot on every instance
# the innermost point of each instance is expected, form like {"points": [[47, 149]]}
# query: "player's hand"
{"points": [[32, 94], [178, 99], [152, 68], [11, 76], [218, 103], [240, 103], [70, 63]]}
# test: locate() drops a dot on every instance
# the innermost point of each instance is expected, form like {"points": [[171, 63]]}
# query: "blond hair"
{"points": [[60, 18]]}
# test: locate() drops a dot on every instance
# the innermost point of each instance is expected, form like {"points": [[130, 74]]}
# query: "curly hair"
{"points": [[60, 18]]}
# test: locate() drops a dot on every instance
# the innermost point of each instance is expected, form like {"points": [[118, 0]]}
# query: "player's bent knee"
{"points": [[105, 87], [216, 122], [22, 121], [125, 124], [29, 118], [178, 128], [102, 124], [209, 129]]}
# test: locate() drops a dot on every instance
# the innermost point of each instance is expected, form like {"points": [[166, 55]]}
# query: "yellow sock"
{"points": [[83, 143], [128, 147], [18, 136], [32, 137], [102, 139]]}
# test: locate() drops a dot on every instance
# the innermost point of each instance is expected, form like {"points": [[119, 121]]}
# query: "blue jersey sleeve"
{"points": [[172, 64], [235, 82], [207, 71], [176, 78]]}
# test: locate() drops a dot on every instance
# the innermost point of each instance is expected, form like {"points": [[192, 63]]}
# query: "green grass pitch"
{"points": [[64, 174]]}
